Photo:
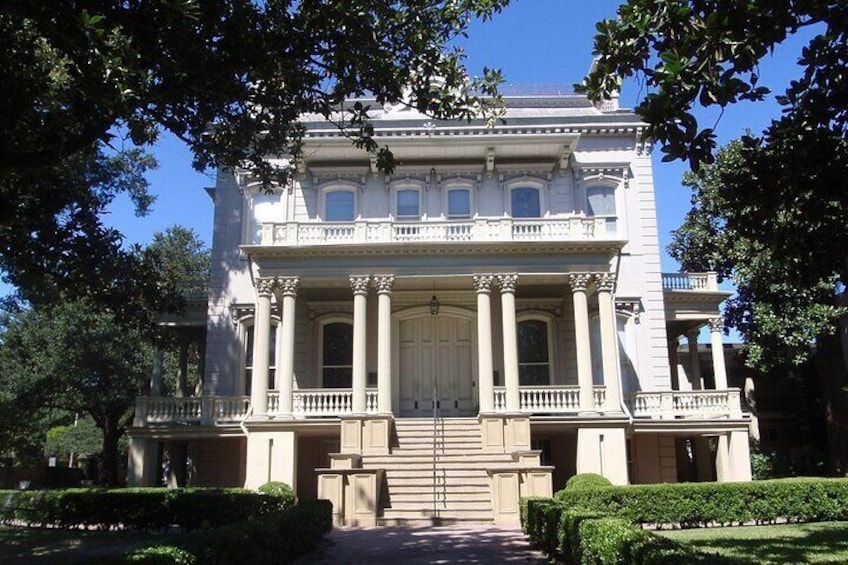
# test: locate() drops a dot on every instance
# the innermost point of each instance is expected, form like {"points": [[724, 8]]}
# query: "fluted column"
{"points": [[486, 388], [510, 341], [384, 285], [288, 289], [694, 360], [261, 337], [605, 283], [579, 285], [359, 286], [719, 370]]}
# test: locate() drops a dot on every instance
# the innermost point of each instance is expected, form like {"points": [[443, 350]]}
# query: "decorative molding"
{"points": [[605, 282], [288, 285], [490, 162], [445, 179], [355, 180], [691, 335], [383, 283], [507, 283], [716, 324], [265, 286], [359, 284], [483, 283], [631, 307], [579, 281]]}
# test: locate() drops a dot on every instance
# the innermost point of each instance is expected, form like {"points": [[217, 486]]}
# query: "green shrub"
{"points": [[161, 555], [138, 509], [523, 506], [587, 480], [279, 489], [568, 533], [699, 504]]}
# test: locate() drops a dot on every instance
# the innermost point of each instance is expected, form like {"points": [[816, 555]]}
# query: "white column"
{"points": [[719, 370], [261, 337], [579, 284], [606, 314], [288, 289], [510, 341], [359, 286], [486, 389], [694, 360], [384, 285]]}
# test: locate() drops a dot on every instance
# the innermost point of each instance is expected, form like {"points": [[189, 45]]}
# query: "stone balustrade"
{"points": [[576, 228], [318, 403], [698, 282]]}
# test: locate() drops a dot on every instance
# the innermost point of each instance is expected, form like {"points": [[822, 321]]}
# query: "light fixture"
{"points": [[434, 302]]}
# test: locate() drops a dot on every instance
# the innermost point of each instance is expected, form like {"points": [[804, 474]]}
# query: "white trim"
{"points": [[550, 322], [320, 323], [407, 183], [526, 182], [337, 186], [246, 323], [459, 184]]}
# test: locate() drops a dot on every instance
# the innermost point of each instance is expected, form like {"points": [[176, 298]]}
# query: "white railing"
{"points": [[550, 399], [578, 228], [230, 409], [690, 281], [686, 404], [324, 402]]}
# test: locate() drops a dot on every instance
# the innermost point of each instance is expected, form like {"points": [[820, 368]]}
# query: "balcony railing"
{"points": [[318, 403], [686, 404], [576, 228], [690, 281]]}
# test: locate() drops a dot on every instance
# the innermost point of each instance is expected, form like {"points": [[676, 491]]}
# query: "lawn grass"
{"points": [[43, 546], [824, 542]]}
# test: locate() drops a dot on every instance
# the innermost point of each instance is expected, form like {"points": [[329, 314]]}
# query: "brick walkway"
{"points": [[425, 545]]}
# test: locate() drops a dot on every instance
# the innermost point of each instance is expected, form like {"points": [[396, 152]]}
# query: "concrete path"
{"points": [[419, 545]]}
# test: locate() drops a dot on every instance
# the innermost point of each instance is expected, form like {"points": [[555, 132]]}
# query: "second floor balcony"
{"points": [[575, 228]]}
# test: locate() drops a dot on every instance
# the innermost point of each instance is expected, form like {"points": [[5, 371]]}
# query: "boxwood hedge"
{"points": [[138, 509]]}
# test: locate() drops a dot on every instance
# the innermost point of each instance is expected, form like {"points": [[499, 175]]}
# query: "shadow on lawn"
{"points": [[807, 543]]}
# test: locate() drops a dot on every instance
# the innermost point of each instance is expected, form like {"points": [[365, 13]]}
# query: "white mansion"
{"points": [[480, 325]]}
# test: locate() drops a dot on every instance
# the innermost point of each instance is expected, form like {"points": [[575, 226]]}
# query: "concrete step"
{"points": [[448, 496]]}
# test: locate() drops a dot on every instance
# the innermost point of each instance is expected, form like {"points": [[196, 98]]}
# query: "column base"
{"points": [[354, 493], [271, 456], [603, 451], [366, 434], [505, 432], [142, 462]]}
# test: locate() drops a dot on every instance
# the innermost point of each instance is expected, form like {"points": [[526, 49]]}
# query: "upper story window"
{"points": [[340, 206], [408, 203], [525, 202], [600, 201], [459, 203], [534, 359]]}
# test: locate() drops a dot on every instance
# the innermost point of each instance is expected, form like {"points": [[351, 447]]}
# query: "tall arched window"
{"points": [[340, 206], [534, 359], [337, 355], [525, 202], [248, 358]]}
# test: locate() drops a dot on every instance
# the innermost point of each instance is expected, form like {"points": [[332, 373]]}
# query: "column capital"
{"points": [[507, 282], [288, 285], [579, 281], [716, 324], [605, 281], [483, 283], [383, 283], [359, 284], [692, 335], [265, 287]]}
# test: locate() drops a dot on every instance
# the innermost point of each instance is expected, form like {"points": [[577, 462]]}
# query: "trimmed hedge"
{"points": [[274, 538], [587, 480], [138, 509], [701, 504], [589, 538]]}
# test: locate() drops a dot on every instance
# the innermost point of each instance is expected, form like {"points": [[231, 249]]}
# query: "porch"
{"points": [[535, 400]]}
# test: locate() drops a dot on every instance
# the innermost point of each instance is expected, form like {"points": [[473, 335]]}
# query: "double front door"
{"points": [[436, 366]]}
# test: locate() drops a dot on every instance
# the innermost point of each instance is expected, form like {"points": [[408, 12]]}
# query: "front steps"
{"points": [[436, 475]]}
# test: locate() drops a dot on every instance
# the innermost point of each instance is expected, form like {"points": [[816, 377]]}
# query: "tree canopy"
{"points": [[770, 211]]}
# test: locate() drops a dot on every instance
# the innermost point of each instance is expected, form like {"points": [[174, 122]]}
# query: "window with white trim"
{"points": [[339, 206], [248, 358], [459, 203], [337, 355], [600, 202], [525, 202], [408, 204], [534, 356]]}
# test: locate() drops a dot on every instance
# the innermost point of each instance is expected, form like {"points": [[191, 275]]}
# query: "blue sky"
{"points": [[533, 42]]}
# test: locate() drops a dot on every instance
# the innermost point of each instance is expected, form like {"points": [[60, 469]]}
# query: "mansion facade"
{"points": [[481, 324]]}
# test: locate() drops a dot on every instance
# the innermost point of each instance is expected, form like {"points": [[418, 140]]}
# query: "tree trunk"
{"points": [[111, 434]]}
